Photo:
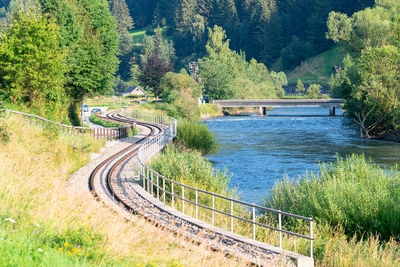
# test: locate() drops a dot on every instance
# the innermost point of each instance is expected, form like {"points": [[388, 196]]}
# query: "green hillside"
{"points": [[138, 34], [317, 69]]}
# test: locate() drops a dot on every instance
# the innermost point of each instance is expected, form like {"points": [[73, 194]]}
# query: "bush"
{"points": [[192, 169], [4, 134], [197, 136], [94, 119], [354, 193]]}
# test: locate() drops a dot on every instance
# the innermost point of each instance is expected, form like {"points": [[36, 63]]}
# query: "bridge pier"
{"points": [[332, 111], [262, 111]]}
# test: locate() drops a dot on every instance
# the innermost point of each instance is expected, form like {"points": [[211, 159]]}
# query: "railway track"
{"points": [[124, 155], [104, 180]]}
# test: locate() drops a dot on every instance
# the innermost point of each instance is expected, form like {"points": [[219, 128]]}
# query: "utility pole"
{"points": [[194, 69]]}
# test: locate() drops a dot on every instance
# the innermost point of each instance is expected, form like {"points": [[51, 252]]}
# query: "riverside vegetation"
{"points": [[42, 223], [353, 202]]}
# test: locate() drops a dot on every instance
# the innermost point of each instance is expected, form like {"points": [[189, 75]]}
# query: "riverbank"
{"points": [[334, 245]]}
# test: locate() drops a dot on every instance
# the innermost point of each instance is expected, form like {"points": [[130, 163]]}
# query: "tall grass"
{"points": [[356, 205], [333, 245], [43, 222], [196, 135], [353, 193]]}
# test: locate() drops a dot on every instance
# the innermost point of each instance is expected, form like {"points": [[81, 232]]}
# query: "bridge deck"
{"points": [[279, 103]]}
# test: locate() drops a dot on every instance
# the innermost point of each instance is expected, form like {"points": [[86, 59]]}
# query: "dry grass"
{"points": [[33, 174]]}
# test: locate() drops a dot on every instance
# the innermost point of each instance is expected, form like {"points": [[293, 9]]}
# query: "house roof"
{"points": [[131, 89]]}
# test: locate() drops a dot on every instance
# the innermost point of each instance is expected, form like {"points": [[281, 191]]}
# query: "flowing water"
{"points": [[258, 150]]}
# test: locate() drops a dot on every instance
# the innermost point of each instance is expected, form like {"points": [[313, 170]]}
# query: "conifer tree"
{"points": [[300, 87]]}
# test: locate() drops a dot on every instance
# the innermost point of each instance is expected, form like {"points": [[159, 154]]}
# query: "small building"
{"points": [[336, 69], [134, 91]]}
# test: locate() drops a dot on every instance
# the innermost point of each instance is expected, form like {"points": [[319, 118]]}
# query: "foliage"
{"points": [[369, 80], [317, 69], [153, 71], [87, 30], [300, 87], [313, 91], [228, 75], [125, 23], [354, 193], [32, 69], [4, 134], [181, 91], [196, 136], [98, 121], [266, 30], [192, 169]]}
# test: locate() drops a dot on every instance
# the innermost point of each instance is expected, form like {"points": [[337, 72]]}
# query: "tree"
{"points": [[135, 75], [313, 91], [120, 11], [369, 81], [153, 70], [124, 21], [300, 87], [181, 91], [370, 87], [32, 64], [87, 31]]}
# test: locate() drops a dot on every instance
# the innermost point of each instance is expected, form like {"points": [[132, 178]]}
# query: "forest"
{"points": [[268, 30], [243, 49]]}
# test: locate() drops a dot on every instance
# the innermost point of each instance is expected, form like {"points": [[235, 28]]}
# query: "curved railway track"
{"points": [[252, 253], [130, 152]]}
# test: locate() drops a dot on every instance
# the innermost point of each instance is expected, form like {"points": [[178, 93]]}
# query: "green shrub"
{"points": [[192, 169], [94, 119], [132, 132], [4, 134], [359, 196], [197, 136]]}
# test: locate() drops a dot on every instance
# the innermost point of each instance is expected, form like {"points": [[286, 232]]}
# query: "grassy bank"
{"points": [[356, 206], [317, 69], [42, 223]]}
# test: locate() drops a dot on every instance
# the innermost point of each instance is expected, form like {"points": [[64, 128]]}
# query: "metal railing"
{"points": [[98, 133], [167, 190]]}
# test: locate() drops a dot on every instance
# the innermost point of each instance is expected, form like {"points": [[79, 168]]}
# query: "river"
{"points": [[258, 150]]}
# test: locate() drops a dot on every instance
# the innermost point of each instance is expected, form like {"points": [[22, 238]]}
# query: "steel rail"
{"points": [[123, 159]]}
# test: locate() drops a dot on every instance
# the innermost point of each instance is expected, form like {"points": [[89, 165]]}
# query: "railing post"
{"points": [[280, 228], [231, 216], [254, 226], [183, 199], [142, 170], [172, 194], [311, 241], [212, 212], [148, 180], [197, 207], [158, 189], [152, 184], [163, 188]]}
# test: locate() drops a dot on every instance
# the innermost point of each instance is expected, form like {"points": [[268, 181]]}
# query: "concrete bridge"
{"points": [[262, 104]]}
